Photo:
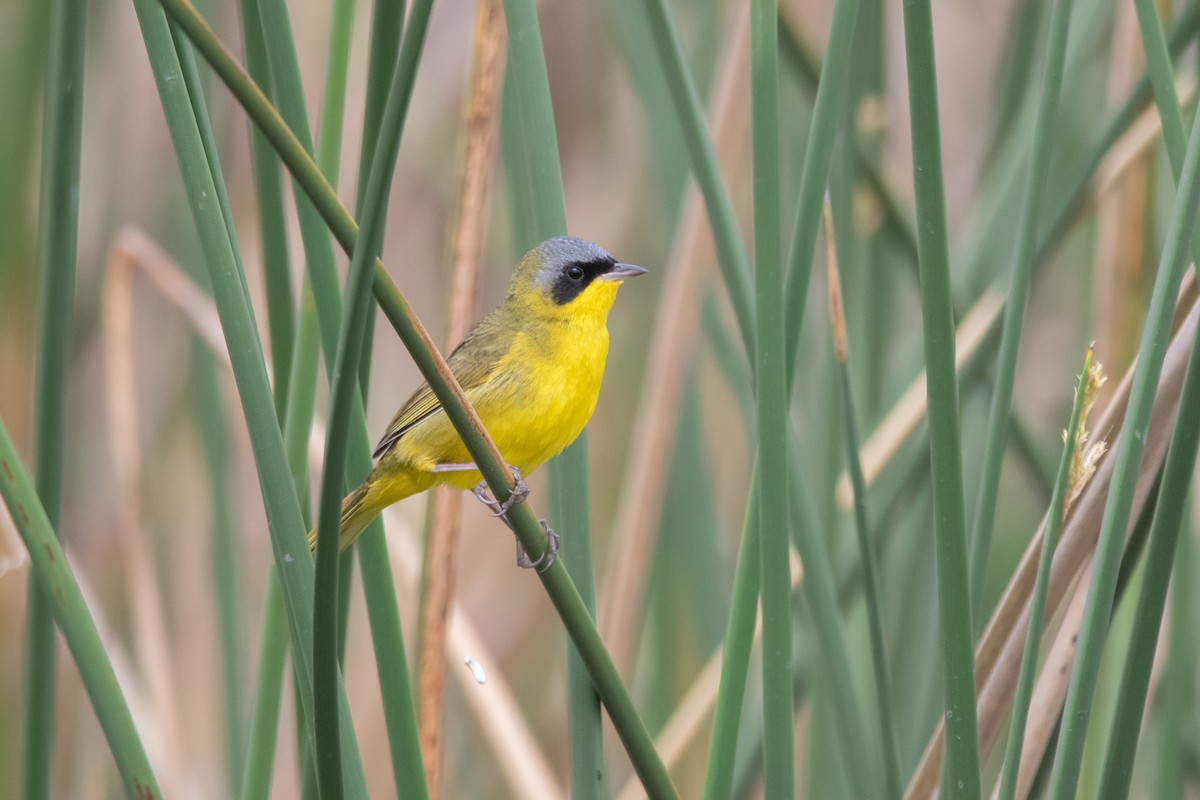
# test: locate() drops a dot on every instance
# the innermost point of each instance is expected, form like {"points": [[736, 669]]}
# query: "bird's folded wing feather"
{"points": [[473, 363]]}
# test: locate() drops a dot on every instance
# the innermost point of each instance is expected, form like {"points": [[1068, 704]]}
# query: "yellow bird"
{"points": [[532, 370]]}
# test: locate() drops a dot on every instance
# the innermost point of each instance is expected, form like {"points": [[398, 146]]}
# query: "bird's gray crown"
{"points": [[557, 253]]}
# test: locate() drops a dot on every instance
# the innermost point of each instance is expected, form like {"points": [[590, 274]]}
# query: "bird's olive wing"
{"points": [[473, 362]]}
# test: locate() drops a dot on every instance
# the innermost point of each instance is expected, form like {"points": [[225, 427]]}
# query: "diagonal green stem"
{"points": [[54, 575]]}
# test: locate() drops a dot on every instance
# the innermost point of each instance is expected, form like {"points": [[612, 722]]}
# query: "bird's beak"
{"points": [[620, 272]]}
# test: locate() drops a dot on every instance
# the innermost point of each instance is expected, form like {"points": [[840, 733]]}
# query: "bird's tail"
{"points": [[358, 510]]}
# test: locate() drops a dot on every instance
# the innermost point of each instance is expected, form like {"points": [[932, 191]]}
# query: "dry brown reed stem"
{"points": [[1052, 683], [908, 411], [1051, 688], [129, 251], [640, 500], [998, 654], [482, 118], [525, 767]]}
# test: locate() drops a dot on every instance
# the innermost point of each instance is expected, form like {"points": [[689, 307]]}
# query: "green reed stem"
{"points": [[1178, 692], [569, 507], [735, 657], [771, 396], [387, 25], [333, 95], [268, 694], [58, 223], [268, 193], [816, 170], [730, 256], [958, 662], [210, 419], [818, 152], [821, 594], [302, 395], [383, 613]]}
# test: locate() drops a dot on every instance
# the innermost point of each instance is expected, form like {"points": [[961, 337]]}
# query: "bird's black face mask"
{"points": [[577, 276]]}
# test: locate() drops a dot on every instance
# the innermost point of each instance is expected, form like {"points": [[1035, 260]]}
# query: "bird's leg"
{"points": [[467, 467], [552, 542], [517, 494]]}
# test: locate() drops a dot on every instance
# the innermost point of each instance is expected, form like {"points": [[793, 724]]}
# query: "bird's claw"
{"points": [[517, 494], [548, 556]]}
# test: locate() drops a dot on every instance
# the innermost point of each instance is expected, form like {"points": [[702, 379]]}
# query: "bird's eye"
{"points": [[575, 273]]}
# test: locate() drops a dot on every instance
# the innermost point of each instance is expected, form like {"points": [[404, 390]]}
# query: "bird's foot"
{"points": [[517, 494], [545, 559]]}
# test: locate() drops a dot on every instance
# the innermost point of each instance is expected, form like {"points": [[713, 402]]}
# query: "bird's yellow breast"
{"points": [[539, 398], [554, 384]]}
